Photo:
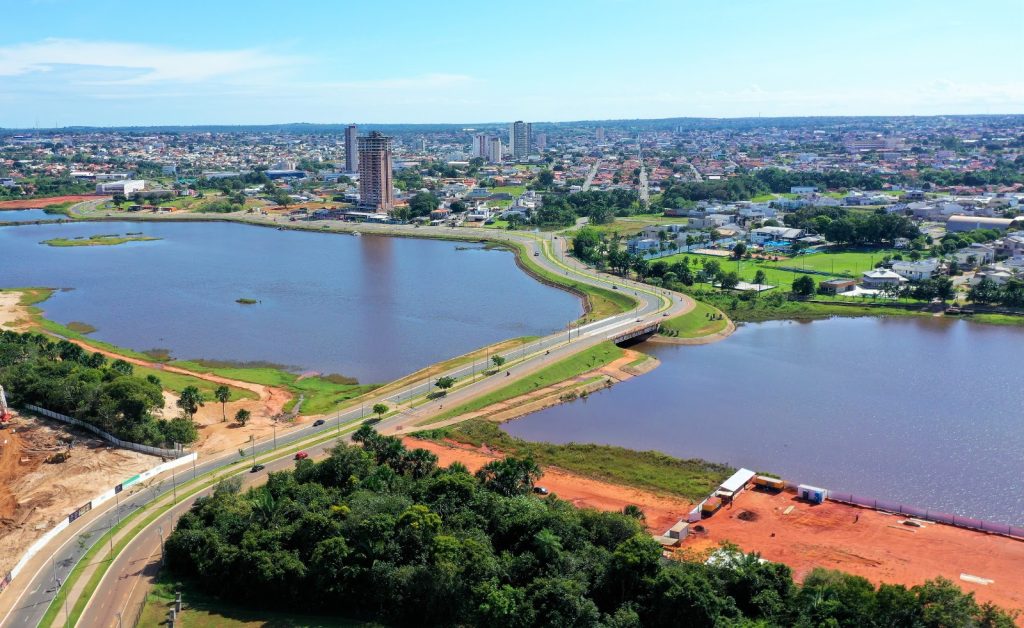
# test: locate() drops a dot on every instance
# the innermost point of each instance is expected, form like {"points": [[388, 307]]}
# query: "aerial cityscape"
{"points": [[394, 329]]}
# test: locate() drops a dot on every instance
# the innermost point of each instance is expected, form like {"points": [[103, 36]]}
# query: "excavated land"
{"points": [[661, 511], [865, 542], [36, 203], [35, 494]]}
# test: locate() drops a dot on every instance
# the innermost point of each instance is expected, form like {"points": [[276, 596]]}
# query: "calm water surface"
{"points": [[25, 215], [374, 308], [927, 412]]}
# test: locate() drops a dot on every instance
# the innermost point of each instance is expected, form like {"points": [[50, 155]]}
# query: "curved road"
{"points": [[27, 599]]}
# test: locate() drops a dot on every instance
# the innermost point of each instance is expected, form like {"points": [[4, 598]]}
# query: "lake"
{"points": [[924, 411], [370, 307], [26, 215]]}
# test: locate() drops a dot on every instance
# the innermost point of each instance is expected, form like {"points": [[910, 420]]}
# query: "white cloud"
{"points": [[131, 63]]}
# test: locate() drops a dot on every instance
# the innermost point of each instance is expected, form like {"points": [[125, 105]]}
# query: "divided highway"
{"points": [[29, 596]]}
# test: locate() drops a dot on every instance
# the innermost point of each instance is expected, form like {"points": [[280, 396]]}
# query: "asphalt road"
{"points": [[33, 591]]}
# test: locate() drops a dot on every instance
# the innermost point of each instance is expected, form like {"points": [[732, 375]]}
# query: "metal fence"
{"points": [[146, 449], [928, 515]]}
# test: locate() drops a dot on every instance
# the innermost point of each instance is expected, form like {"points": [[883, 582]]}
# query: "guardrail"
{"points": [[146, 449]]}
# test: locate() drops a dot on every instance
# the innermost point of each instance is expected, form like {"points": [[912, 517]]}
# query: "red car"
{"points": [[301, 455]]}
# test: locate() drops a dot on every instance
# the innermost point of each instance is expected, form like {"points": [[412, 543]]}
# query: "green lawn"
{"points": [[850, 263], [322, 393], [176, 382], [697, 322], [649, 470], [594, 357], [514, 190]]}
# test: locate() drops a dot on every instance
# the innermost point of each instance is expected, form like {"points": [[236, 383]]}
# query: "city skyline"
{"points": [[67, 66]]}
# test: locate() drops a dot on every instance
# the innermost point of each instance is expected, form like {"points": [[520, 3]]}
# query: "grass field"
{"points": [[650, 470], [850, 263], [98, 240], [322, 394], [697, 322], [594, 357], [176, 382]]}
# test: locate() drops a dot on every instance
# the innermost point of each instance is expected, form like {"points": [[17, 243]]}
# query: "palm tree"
{"points": [[222, 394], [190, 401]]}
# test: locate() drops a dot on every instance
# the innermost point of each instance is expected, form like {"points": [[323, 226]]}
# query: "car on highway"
{"points": [[614, 287], [301, 455], [318, 422], [256, 468], [536, 253]]}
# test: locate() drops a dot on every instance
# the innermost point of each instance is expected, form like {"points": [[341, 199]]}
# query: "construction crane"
{"points": [[5, 414]]}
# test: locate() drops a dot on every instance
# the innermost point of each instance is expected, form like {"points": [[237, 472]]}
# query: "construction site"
{"points": [[46, 471]]}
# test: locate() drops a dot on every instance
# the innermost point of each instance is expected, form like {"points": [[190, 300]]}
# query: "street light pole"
{"points": [[252, 438], [274, 425]]}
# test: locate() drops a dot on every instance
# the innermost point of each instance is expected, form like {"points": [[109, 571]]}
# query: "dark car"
{"points": [[256, 468], [540, 490], [318, 422]]}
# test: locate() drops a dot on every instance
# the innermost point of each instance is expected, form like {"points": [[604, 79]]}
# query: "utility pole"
{"points": [[252, 438], [274, 425], [174, 485]]}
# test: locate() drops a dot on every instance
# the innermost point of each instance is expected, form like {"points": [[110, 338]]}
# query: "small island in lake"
{"points": [[246, 301], [99, 240]]}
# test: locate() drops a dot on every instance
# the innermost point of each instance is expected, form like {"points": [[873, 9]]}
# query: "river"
{"points": [[374, 308], [927, 412]]}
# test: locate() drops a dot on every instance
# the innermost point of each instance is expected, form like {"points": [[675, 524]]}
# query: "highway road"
{"points": [[27, 599], [590, 175]]}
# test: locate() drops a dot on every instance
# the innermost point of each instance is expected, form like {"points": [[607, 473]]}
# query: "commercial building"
{"points": [[375, 176], [126, 187], [520, 137], [351, 150]]}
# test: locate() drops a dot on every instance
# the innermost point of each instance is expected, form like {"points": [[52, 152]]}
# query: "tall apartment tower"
{"points": [[480, 145], [520, 136], [351, 152], [375, 185], [494, 150]]}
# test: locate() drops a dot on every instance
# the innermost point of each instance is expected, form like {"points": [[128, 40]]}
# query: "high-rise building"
{"points": [[351, 151], [375, 191], [599, 134], [540, 142], [480, 145], [494, 150], [520, 137]]}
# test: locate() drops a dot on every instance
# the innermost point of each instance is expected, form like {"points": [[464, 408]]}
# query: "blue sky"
{"points": [[114, 62]]}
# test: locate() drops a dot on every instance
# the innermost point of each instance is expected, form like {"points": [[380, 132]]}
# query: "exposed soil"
{"points": [[868, 543], [661, 512], [35, 495], [38, 203], [12, 315]]}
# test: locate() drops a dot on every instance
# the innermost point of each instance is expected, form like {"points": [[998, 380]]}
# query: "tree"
{"points": [[242, 417], [444, 383], [728, 281], [122, 367], [803, 286], [497, 361], [509, 476], [190, 401], [380, 410], [422, 203], [759, 277], [119, 200], [739, 250], [545, 178], [222, 394]]}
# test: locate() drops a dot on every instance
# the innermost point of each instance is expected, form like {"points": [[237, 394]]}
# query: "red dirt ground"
{"points": [[868, 543], [36, 203], [662, 512]]}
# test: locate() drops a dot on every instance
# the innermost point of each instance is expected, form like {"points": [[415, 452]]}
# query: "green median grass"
{"points": [[588, 360], [650, 470], [696, 323]]}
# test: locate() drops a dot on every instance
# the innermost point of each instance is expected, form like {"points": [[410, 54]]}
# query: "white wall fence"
{"points": [[146, 449], [105, 496]]}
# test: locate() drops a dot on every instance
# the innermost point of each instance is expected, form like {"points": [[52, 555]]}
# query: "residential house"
{"points": [[775, 234], [880, 278], [977, 254], [916, 271]]}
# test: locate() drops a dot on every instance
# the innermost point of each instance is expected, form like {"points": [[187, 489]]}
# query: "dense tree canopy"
{"points": [[63, 377], [380, 532]]}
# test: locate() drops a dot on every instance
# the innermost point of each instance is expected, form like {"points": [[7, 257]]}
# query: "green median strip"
{"points": [[588, 360]]}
